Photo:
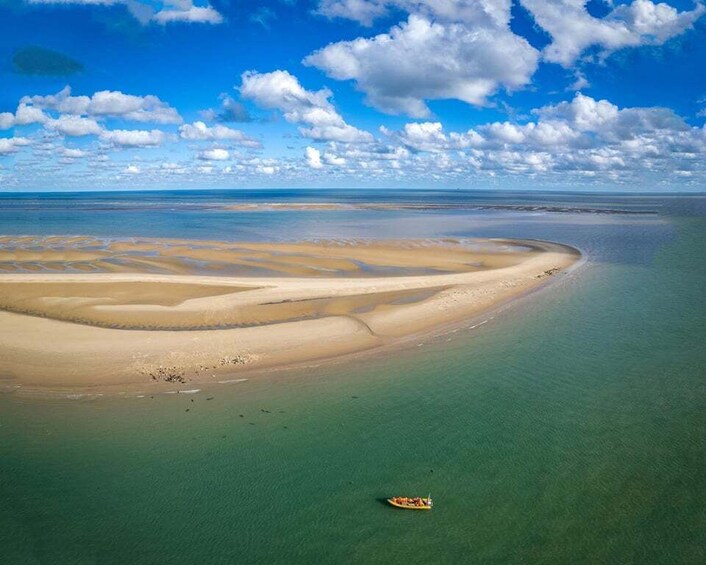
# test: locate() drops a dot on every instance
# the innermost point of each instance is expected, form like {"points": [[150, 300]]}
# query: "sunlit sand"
{"points": [[82, 312]]}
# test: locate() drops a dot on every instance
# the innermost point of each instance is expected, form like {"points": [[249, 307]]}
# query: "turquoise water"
{"points": [[570, 428]]}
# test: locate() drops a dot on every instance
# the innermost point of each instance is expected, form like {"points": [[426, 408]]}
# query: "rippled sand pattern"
{"points": [[78, 311], [350, 258]]}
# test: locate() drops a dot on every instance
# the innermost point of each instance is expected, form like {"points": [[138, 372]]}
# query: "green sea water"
{"points": [[568, 428]]}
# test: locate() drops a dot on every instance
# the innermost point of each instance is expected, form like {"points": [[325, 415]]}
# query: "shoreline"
{"points": [[281, 347], [245, 374]]}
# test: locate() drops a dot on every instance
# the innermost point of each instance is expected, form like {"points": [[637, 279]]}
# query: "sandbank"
{"points": [[86, 313]]}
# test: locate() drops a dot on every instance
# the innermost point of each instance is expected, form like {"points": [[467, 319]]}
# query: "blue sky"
{"points": [[549, 94]]}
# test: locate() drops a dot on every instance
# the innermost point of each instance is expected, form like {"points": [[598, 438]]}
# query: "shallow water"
{"points": [[568, 428]]}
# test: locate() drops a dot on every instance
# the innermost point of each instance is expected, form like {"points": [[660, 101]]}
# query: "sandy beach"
{"points": [[80, 312]]}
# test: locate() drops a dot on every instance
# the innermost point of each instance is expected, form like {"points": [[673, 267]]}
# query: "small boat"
{"points": [[409, 503]]}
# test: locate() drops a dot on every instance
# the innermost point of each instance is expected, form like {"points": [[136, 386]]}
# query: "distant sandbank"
{"points": [[422, 206], [78, 312]]}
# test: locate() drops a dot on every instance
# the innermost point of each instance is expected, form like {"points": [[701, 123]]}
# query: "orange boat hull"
{"points": [[408, 506]]}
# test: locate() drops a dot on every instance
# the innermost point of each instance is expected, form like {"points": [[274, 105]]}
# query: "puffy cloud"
{"points": [[199, 131], [505, 132], [172, 11], [344, 133], [107, 103], [607, 121], [176, 168], [188, 14], [24, 115], [128, 107], [362, 159], [333, 159], [133, 138], [573, 29], [476, 12], [313, 158], [79, 116], [577, 142], [425, 136], [132, 170], [362, 11], [216, 154], [74, 153], [259, 166], [578, 138], [465, 49], [11, 144], [61, 102], [281, 91], [420, 60], [430, 137], [585, 113], [75, 126], [7, 120]]}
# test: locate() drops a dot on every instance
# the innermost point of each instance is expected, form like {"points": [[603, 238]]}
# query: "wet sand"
{"points": [[80, 312]]}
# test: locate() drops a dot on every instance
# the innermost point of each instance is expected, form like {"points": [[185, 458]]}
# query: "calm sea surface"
{"points": [[569, 428]]}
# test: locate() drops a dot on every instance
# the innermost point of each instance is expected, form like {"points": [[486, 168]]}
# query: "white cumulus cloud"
{"points": [[74, 153], [11, 144], [7, 120], [333, 159], [216, 154], [582, 137], [279, 90], [106, 104], [465, 49], [188, 14], [313, 158], [133, 138], [29, 115], [24, 115], [170, 11], [74, 126], [129, 107], [424, 136], [476, 12], [573, 29], [199, 131], [362, 11], [422, 60]]}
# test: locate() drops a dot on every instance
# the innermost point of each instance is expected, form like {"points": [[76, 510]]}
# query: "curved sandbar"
{"points": [[84, 329]]}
